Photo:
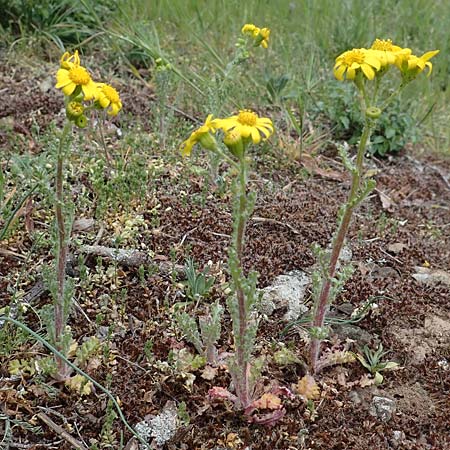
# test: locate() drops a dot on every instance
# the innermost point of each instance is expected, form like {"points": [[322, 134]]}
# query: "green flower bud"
{"points": [[373, 112], [207, 141], [81, 121], [234, 143], [74, 109]]}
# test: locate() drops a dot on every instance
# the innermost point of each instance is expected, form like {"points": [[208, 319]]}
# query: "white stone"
{"points": [[289, 291]]}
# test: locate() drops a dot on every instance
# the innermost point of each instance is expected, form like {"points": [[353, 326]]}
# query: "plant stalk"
{"points": [[62, 251], [242, 382], [338, 243]]}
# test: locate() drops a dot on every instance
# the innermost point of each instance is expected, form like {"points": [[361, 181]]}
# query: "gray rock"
{"points": [[289, 291], [382, 408], [398, 437], [165, 424], [161, 427]]}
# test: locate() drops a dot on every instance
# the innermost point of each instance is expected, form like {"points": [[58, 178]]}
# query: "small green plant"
{"points": [[204, 337], [371, 360], [108, 434], [82, 375], [198, 283]]}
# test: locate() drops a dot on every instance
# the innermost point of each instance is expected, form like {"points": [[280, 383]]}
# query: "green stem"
{"points": [[242, 381], [59, 301], [101, 122], [375, 92], [365, 105], [59, 355], [338, 243]]}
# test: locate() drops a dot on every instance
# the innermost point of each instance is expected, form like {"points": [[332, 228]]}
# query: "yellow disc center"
{"points": [[247, 118], [354, 56], [79, 75], [381, 44]]}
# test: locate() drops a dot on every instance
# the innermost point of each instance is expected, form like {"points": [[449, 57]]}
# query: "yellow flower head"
{"points": [[259, 35], [264, 34], [351, 61], [71, 75], [248, 125], [250, 30], [411, 65], [385, 51], [201, 135], [108, 98]]}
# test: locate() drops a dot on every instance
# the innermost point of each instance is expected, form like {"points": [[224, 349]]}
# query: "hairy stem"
{"points": [[62, 249], [338, 243], [242, 388]]}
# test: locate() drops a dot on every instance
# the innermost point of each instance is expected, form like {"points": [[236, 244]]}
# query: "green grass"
{"points": [[198, 39]]}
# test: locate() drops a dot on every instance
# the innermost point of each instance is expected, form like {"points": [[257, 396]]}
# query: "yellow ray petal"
{"points": [[368, 71]]}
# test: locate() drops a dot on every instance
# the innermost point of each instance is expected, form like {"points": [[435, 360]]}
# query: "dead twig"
{"points": [[129, 258], [276, 222], [61, 432]]}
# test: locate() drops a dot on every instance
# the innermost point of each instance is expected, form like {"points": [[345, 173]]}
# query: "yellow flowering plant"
{"points": [[250, 38], [366, 68], [82, 95], [237, 133], [260, 36]]}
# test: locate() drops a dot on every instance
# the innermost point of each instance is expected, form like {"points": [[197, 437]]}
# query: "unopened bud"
{"points": [[233, 141], [207, 141], [81, 121], [74, 109], [373, 112]]}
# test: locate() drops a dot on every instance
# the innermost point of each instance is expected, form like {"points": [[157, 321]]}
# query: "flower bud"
{"points": [[207, 141], [81, 121], [373, 112], [234, 143], [74, 109]]}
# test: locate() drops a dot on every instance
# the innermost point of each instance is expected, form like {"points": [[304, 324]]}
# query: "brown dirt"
{"points": [[412, 319]]}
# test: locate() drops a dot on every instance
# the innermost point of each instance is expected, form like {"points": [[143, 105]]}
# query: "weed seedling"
{"points": [[371, 360]]}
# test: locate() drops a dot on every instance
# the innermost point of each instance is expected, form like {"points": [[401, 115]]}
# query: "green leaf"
{"points": [[378, 378], [389, 133]]}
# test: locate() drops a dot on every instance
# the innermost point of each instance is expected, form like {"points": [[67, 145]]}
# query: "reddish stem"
{"points": [[338, 243]]}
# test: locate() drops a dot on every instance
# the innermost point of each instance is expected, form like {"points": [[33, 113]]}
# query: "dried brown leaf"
{"points": [[268, 401], [307, 388], [386, 202], [209, 373]]}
